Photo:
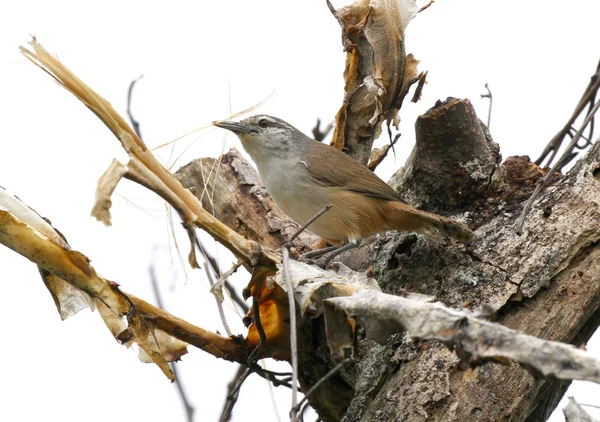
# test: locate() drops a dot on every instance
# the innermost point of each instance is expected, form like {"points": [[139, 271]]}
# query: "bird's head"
{"points": [[262, 134]]}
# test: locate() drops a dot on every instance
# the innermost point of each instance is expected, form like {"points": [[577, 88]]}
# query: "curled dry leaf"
{"points": [[104, 190]]}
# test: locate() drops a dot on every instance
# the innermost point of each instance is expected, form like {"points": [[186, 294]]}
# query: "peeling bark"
{"points": [[378, 72]]}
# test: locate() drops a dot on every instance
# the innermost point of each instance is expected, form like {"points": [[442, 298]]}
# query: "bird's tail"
{"points": [[406, 218]]}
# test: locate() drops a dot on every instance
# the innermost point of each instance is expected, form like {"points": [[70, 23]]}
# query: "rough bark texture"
{"points": [[453, 159], [545, 283]]}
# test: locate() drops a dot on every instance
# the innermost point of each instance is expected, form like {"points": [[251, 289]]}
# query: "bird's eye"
{"points": [[263, 123]]}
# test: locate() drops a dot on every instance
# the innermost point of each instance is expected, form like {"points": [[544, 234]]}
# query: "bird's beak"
{"points": [[235, 127]]}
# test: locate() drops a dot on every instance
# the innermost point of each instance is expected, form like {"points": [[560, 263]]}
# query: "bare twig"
{"points": [[212, 262], [253, 357], [475, 340], [301, 406], [243, 373], [189, 409], [292, 306], [217, 289], [319, 134], [228, 348], [422, 78], [588, 98], [488, 95], [219, 303], [271, 376], [232, 397], [258, 322], [426, 6], [379, 154], [234, 393], [546, 180], [305, 225], [134, 123], [235, 296], [293, 333]]}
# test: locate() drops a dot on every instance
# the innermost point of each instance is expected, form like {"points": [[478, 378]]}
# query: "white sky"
{"points": [[200, 58]]}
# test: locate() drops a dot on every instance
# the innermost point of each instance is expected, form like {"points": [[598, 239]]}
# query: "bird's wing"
{"points": [[328, 166]]}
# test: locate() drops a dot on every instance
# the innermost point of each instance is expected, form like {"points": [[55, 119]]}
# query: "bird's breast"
{"points": [[292, 191]]}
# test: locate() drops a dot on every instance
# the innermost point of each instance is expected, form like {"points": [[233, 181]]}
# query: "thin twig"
{"points": [[271, 394], [233, 395], [189, 409], [293, 332], [319, 134], [259, 327], [212, 262], [219, 304], [546, 180], [252, 358], [588, 98], [488, 95], [305, 225], [252, 366], [271, 376], [227, 407], [134, 123], [332, 372], [235, 296], [378, 158], [426, 6], [243, 372], [217, 289], [292, 305]]}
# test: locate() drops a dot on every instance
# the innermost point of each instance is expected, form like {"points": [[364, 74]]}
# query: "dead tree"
{"points": [[450, 363]]}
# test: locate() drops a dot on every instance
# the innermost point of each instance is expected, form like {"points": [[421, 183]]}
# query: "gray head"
{"points": [[266, 135]]}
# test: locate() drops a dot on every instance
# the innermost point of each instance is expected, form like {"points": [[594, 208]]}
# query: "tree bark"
{"points": [[544, 283]]}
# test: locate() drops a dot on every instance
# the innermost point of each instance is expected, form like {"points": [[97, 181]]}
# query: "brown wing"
{"points": [[330, 167]]}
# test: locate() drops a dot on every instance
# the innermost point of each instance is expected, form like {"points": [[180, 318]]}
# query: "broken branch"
{"points": [[474, 340]]}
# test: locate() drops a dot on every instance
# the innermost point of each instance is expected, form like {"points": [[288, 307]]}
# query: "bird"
{"points": [[304, 176]]}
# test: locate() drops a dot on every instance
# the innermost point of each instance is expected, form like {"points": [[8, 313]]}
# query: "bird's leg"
{"points": [[328, 253], [350, 245], [318, 252]]}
